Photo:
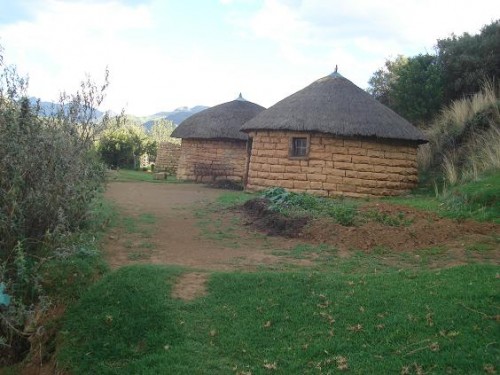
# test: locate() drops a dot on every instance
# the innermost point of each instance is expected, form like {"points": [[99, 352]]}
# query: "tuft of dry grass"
{"points": [[464, 140]]}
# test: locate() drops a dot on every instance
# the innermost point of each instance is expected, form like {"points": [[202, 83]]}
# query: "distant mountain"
{"points": [[176, 116], [182, 113], [50, 108]]}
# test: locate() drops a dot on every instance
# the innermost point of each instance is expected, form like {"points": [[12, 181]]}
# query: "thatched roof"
{"points": [[335, 105], [220, 122]]}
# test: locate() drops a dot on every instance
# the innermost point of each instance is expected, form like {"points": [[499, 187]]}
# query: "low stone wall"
{"points": [[334, 166], [208, 160], [167, 157]]}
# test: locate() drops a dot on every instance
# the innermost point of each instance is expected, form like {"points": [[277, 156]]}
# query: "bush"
{"points": [[49, 177]]}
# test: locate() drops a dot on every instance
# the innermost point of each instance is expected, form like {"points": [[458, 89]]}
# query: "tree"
{"points": [[417, 94], [382, 81], [468, 61], [161, 130], [410, 86], [123, 144]]}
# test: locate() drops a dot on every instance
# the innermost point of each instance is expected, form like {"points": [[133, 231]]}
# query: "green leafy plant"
{"points": [[293, 204]]}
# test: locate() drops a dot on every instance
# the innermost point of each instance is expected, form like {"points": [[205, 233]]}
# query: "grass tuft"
{"points": [[464, 140]]}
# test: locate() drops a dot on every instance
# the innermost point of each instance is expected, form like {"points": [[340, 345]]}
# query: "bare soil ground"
{"points": [[183, 230], [176, 237]]}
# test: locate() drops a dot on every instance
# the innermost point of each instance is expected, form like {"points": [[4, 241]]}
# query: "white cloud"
{"points": [[67, 40], [360, 34], [163, 54]]}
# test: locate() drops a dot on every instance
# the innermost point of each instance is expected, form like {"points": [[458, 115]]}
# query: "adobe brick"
{"points": [[342, 158], [357, 151], [292, 169], [316, 184], [342, 165], [332, 172], [317, 163], [316, 177], [352, 143], [329, 186], [301, 185], [295, 176], [363, 160], [276, 176], [287, 184]]}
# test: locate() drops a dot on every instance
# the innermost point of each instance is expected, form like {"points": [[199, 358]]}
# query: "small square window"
{"points": [[299, 147]]}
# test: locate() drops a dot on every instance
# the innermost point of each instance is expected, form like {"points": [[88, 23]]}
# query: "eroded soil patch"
{"points": [[190, 285]]}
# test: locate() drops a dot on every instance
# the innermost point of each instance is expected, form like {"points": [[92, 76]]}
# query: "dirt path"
{"points": [[176, 237]]}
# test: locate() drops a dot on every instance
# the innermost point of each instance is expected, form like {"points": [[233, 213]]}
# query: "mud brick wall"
{"points": [[216, 153], [167, 157], [334, 166]]}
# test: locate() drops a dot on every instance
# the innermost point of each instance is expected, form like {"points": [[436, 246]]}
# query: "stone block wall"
{"points": [[167, 157], [226, 155], [334, 166]]}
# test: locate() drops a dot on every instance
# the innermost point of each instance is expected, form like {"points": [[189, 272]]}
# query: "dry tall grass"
{"points": [[464, 140]]}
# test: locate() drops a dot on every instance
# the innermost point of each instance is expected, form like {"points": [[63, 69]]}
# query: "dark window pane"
{"points": [[299, 147]]}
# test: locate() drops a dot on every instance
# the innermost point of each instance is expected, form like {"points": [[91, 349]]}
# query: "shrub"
{"points": [[49, 177]]}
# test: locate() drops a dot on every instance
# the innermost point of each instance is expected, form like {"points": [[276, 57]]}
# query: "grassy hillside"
{"points": [[464, 140]]}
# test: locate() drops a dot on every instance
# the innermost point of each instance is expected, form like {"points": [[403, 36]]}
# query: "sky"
{"points": [[164, 54]]}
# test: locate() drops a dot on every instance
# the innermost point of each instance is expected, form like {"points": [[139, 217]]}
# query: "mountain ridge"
{"points": [[176, 116]]}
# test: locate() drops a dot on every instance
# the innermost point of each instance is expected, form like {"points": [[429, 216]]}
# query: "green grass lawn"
{"points": [[287, 322]]}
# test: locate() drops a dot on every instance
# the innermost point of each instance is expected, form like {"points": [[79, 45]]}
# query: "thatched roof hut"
{"points": [[212, 145], [332, 138], [336, 106], [222, 121]]}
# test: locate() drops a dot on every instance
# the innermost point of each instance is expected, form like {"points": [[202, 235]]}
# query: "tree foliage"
{"points": [[417, 92], [468, 61], [382, 81], [418, 87], [161, 131], [122, 144]]}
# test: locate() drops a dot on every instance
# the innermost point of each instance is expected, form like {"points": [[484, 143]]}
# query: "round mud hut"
{"points": [[212, 146], [332, 138]]}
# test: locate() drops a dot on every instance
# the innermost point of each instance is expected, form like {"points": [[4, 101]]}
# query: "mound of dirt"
{"points": [[271, 222], [226, 184], [381, 225]]}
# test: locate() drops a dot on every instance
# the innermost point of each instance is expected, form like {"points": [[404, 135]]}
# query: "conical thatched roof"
{"points": [[220, 122], [335, 105]]}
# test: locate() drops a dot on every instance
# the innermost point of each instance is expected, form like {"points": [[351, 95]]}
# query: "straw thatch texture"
{"points": [[335, 105], [220, 122]]}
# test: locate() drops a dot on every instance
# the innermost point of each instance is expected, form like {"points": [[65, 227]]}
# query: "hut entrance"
{"points": [[247, 166]]}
